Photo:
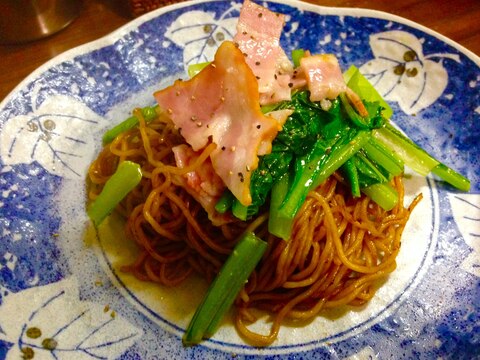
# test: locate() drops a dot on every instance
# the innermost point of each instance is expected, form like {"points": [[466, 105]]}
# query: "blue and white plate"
{"points": [[62, 293]]}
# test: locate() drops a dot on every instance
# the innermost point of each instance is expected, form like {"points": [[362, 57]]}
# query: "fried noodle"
{"points": [[340, 250]]}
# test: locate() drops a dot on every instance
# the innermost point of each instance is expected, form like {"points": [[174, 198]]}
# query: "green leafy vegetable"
{"points": [[396, 146], [316, 168], [308, 123], [360, 85], [127, 176], [194, 69], [351, 172], [452, 177], [278, 225], [224, 289], [315, 142], [297, 54], [149, 113], [383, 194]]}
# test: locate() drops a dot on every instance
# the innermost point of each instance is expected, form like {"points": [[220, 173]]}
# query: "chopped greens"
{"points": [[315, 142], [359, 84], [315, 169], [127, 176], [149, 113], [452, 177], [224, 289], [194, 69], [297, 54]]}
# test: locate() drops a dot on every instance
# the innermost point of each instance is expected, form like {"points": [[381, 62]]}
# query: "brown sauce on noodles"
{"points": [[340, 251]]}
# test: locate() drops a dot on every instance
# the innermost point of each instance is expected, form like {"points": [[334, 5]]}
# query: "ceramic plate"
{"points": [[62, 293]]}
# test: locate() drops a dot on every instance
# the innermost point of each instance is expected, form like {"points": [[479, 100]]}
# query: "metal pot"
{"points": [[26, 20]]}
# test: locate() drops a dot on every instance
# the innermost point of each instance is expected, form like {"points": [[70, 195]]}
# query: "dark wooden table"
{"points": [[458, 20]]}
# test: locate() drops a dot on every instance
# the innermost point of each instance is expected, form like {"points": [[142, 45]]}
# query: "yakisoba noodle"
{"points": [[341, 247]]}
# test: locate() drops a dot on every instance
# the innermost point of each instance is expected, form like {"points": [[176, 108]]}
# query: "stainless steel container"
{"points": [[26, 20]]}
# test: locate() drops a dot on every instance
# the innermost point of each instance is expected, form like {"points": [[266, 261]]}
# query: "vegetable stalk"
{"points": [[224, 289], [127, 176], [149, 113], [317, 169], [277, 224]]}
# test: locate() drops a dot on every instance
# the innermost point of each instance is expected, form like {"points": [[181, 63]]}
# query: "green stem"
{"points": [[418, 159], [149, 113], [224, 289], [368, 170], [383, 194], [339, 156], [127, 176], [277, 224], [411, 154], [452, 177], [317, 170], [384, 157], [239, 211], [351, 172], [297, 54], [225, 202]]}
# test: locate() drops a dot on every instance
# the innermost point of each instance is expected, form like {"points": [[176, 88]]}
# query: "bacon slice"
{"points": [[203, 184], [324, 76], [221, 105], [258, 37]]}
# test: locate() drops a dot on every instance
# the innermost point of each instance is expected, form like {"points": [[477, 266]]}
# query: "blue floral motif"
{"points": [[402, 73], [199, 33], [466, 212], [52, 323]]}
